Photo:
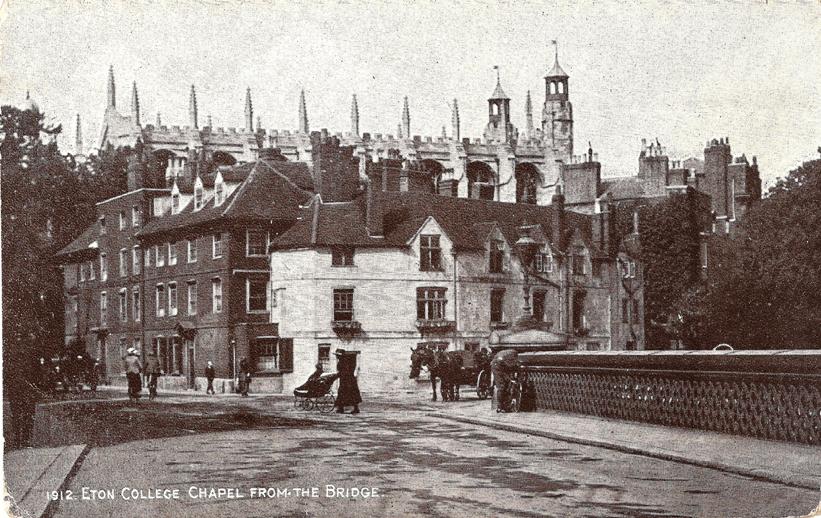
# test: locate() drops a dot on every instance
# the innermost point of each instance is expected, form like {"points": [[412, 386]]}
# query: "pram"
{"points": [[317, 393]]}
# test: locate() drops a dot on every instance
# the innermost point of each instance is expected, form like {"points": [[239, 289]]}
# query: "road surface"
{"points": [[260, 457]]}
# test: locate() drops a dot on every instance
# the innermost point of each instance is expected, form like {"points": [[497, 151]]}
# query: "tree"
{"points": [[670, 235], [48, 200], [764, 289]]}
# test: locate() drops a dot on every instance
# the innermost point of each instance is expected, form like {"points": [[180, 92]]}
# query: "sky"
{"points": [[679, 72]]}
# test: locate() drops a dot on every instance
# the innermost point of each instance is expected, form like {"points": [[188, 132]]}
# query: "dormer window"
{"points": [[219, 190], [198, 194]]}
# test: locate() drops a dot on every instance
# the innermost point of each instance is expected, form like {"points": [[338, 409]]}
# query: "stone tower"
{"points": [[405, 120], [78, 138], [192, 108], [303, 113], [249, 112], [528, 116], [454, 122], [135, 104], [354, 117], [112, 97], [499, 128], [557, 115]]}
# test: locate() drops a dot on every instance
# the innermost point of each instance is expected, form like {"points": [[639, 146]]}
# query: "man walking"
{"points": [[504, 365], [209, 375], [133, 368], [152, 372]]}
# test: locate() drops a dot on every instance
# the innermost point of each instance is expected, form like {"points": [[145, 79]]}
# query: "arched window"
{"points": [[481, 181], [527, 180], [432, 175], [560, 87], [552, 87], [495, 109]]}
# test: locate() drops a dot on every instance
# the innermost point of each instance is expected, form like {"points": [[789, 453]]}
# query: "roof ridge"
{"points": [[242, 188], [288, 180], [315, 219]]}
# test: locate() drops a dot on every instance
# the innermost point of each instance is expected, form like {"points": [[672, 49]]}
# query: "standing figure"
{"points": [[152, 372], [209, 375], [504, 365], [133, 368], [244, 376], [348, 387], [46, 377]]}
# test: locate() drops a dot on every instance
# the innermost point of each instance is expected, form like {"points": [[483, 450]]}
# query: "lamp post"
{"points": [[526, 247]]}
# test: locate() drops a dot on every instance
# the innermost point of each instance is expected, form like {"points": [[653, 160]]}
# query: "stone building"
{"points": [[397, 267]]}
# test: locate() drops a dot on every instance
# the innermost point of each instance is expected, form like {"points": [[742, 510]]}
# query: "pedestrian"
{"points": [[152, 372], [348, 394], [209, 375], [133, 368], [244, 377], [503, 366]]}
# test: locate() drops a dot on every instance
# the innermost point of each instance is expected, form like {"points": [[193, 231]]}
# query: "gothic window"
{"points": [[481, 181]]}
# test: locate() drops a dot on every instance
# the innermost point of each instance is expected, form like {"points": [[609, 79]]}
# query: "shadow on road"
{"points": [[109, 422]]}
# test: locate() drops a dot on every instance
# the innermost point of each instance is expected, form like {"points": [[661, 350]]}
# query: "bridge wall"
{"points": [[766, 394]]}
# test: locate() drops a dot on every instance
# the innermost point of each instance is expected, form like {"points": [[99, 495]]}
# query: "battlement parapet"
{"points": [[582, 160]]}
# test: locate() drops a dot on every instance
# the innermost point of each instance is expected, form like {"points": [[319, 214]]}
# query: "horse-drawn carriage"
{"points": [[453, 368]]}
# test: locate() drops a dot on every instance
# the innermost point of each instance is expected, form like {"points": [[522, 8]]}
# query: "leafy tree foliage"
{"points": [[669, 234], [764, 288], [48, 200]]}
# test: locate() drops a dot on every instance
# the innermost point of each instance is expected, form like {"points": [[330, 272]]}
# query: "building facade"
{"points": [[391, 270]]}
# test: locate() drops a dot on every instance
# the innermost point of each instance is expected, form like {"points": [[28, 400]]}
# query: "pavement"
{"points": [[783, 462], [40, 470]]}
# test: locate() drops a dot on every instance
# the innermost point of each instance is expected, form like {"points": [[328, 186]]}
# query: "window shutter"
{"points": [[286, 355]]}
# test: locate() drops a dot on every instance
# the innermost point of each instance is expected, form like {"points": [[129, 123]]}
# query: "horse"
{"points": [[445, 365]]}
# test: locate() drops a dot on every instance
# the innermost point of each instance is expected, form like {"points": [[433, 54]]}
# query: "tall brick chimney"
{"points": [[373, 211], [557, 221], [335, 169]]}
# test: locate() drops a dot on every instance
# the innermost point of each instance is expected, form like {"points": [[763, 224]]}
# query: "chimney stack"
{"points": [[557, 221], [373, 212]]}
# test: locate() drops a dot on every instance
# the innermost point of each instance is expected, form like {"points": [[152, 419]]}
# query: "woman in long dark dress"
{"points": [[348, 394]]}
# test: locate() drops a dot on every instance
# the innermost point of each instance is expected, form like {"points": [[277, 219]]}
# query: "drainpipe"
{"points": [[455, 302]]}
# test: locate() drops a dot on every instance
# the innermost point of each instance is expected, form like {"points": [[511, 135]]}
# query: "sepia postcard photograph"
{"points": [[391, 258]]}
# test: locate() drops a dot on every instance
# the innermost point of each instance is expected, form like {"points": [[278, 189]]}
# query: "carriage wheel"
{"points": [[307, 404], [515, 397], [297, 402], [326, 403]]}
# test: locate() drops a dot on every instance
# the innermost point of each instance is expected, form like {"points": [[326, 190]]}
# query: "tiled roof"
{"points": [[624, 188], [269, 192], [84, 242], [467, 222]]}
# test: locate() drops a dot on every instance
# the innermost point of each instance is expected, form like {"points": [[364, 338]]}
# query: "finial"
{"points": [[27, 95], [303, 112], [498, 80], [159, 120], [555, 44]]}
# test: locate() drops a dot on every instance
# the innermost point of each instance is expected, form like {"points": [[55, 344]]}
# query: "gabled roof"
{"points": [[267, 193], [84, 244], [467, 222]]}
